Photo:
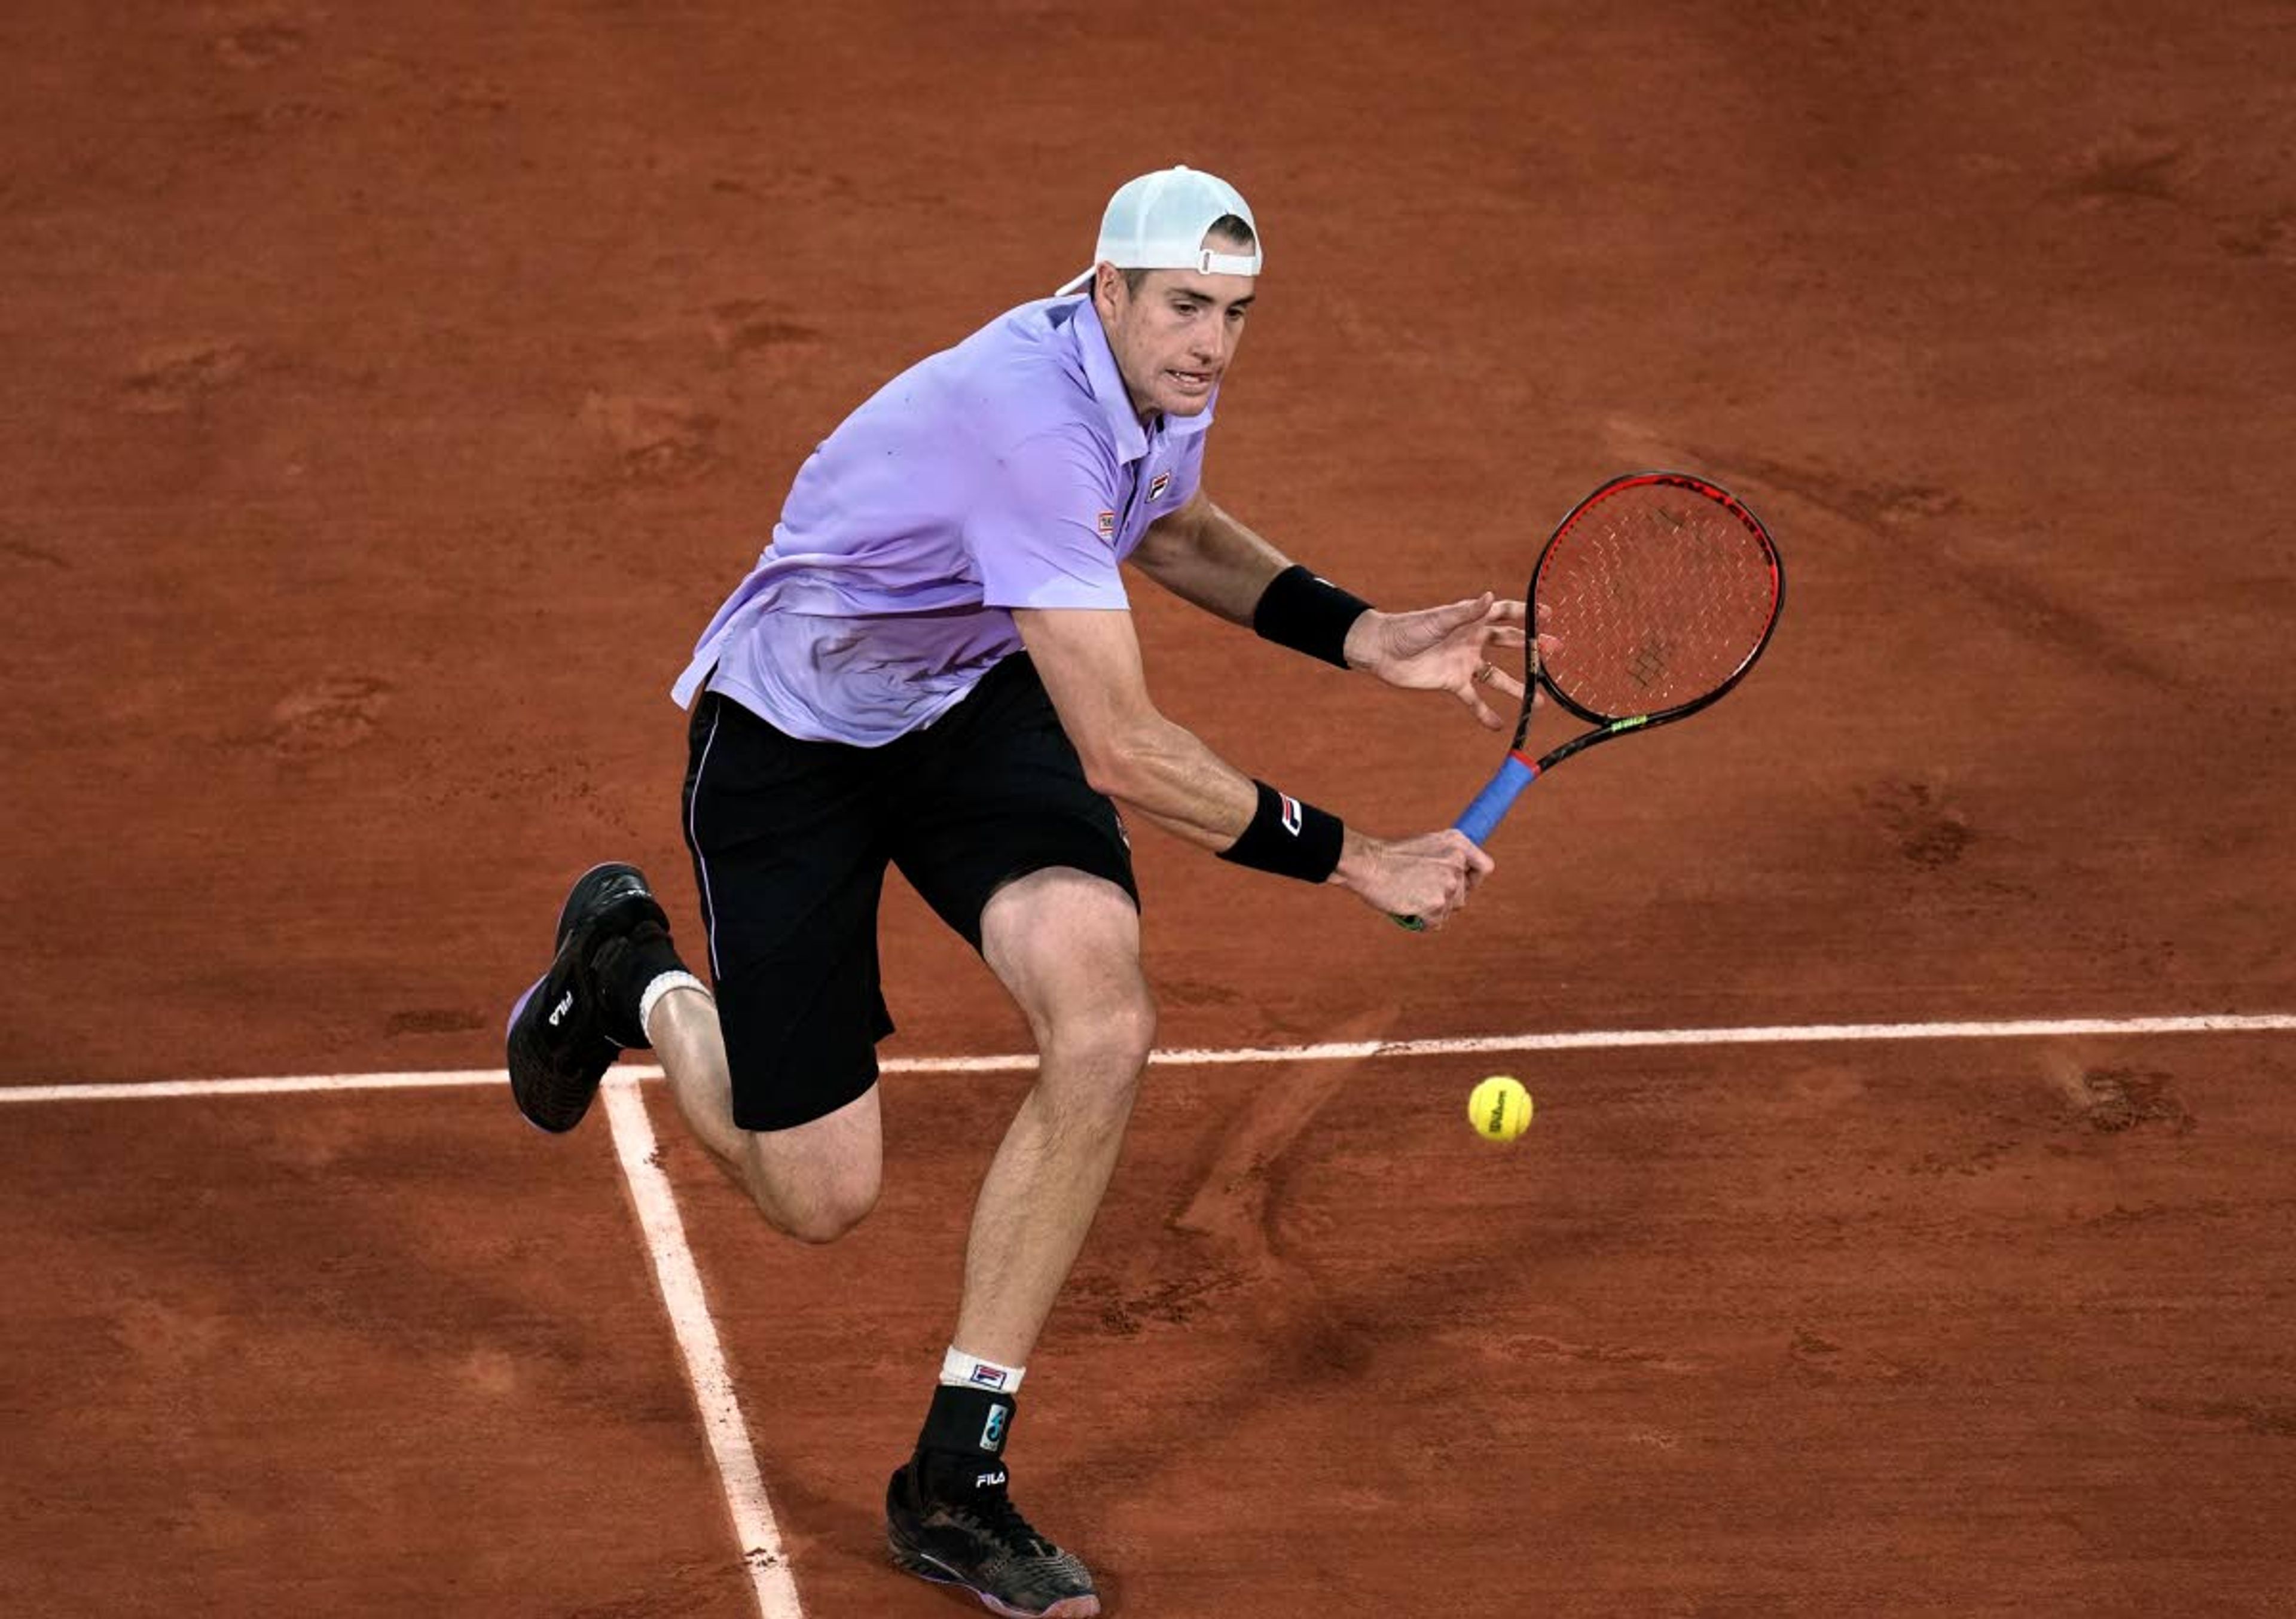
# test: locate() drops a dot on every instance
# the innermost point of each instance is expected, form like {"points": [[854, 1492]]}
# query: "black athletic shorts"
{"points": [[791, 840]]}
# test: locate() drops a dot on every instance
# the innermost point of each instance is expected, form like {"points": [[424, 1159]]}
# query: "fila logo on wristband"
{"points": [[1292, 819], [988, 1376]]}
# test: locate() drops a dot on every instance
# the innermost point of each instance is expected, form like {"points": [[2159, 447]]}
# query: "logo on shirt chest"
{"points": [[1157, 485], [1106, 523]]}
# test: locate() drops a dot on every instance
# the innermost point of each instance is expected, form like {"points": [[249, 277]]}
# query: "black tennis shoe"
{"points": [[949, 1519], [562, 1034]]}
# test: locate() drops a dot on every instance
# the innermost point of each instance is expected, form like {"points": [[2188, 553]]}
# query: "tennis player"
{"points": [[932, 666]]}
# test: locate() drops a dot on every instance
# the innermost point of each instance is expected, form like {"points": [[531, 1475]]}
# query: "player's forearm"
{"points": [[1205, 556], [1165, 774]]}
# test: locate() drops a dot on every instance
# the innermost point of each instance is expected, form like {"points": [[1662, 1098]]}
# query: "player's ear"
{"points": [[1107, 282]]}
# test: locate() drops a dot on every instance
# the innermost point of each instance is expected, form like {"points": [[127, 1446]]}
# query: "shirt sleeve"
{"points": [[1042, 529]]}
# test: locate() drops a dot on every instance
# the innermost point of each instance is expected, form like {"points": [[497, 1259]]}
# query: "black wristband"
{"points": [[1308, 614], [1289, 838]]}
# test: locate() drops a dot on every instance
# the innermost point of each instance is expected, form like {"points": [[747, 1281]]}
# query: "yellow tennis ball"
{"points": [[1499, 1108]]}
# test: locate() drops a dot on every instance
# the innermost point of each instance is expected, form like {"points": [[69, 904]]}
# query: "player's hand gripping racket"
{"points": [[1659, 589]]}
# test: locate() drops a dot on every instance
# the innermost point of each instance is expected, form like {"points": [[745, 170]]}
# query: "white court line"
{"points": [[1784, 1034], [705, 1362], [680, 1280]]}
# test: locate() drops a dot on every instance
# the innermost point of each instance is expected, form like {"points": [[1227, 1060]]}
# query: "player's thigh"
{"points": [[1066, 944], [1016, 851], [789, 859]]}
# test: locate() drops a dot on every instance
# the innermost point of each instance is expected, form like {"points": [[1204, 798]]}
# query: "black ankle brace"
{"points": [[966, 1422]]}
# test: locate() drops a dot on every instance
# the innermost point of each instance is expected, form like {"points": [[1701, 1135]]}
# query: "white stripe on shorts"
{"points": [[700, 866]]}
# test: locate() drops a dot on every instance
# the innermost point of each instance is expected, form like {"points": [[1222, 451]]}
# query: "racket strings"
{"points": [[1658, 596]]}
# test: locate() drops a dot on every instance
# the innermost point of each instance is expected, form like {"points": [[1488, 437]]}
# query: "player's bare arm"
{"points": [[1203, 555], [1090, 660]]}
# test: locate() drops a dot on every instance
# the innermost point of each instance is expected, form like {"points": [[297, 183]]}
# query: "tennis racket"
{"points": [[1661, 590]]}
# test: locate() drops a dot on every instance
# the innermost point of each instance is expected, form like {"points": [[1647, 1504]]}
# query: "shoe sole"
{"points": [[924, 1566]]}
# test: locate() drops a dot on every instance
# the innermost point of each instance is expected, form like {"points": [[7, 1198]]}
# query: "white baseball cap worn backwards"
{"points": [[1159, 222]]}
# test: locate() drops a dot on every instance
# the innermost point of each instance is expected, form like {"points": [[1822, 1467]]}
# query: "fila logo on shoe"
{"points": [[986, 1481], [565, 1005]]}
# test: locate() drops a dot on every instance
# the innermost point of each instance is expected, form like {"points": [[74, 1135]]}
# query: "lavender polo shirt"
{"points": [[1008, 471]]}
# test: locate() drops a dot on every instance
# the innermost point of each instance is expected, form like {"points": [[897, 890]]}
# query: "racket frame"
{"points": [[1519, 770]]}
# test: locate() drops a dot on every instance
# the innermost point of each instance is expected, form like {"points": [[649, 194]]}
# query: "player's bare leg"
{"points": [[617, 982], [1067, 945], [815, 1182]]}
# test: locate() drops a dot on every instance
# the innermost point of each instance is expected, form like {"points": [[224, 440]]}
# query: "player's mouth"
{"points": [[1191, 382]]}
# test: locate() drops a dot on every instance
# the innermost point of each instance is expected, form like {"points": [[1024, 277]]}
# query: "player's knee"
{"points": [[1131, 1032], [820, 1211], [1117, 1031], [1102, 1046], [824, 1220]]}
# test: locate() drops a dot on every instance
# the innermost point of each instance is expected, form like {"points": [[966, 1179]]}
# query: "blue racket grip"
{"points": [[1482, 818]]}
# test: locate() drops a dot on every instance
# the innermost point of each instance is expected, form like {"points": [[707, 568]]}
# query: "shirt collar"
{"points": [[1108, 390]]}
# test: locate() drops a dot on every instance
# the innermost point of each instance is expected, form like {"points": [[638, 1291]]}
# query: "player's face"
{"points": [[1175, 336]]}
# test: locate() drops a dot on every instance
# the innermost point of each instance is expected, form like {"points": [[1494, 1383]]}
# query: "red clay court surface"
{"points": [[390, 395]]}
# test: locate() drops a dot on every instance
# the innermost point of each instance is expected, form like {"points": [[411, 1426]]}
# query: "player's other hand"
{"points": [[1446, 649], [1427, 878]]}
